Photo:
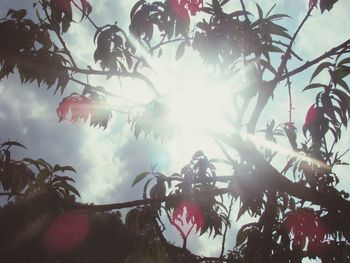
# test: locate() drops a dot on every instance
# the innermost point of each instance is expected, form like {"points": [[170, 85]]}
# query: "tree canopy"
{"points": [[283, 175]]}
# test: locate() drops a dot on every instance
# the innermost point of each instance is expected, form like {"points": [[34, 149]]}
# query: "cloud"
{"points": [[324, 31]]}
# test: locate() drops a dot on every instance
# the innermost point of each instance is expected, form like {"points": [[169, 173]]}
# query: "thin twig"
{"points": [[287, 54], [134, 75], [87, 16], [105, 92], [310, 63], [63, 43], [289, 85], [226, 228]]}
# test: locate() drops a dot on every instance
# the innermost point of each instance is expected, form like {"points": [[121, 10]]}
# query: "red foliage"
{"points": [[79, 106], [66, 233], [305, 224], [312, 3], [64, 5], [193, 6], [186, 216], [313, 115]]}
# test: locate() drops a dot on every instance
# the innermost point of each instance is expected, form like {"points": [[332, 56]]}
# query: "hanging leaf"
{"points": [[139, 177], [12, 143], [314, 86], [180, 50], [320, 68]]}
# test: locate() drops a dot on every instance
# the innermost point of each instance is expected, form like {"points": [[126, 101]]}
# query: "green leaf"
{"points": [[180, 51], [140, 177], [19, 14], [63, 168], [277, 16], [12, 143], [66, 23], [320, 68], [42, 176], [275, 29], [260, 11], [342, 72], [344, 61], [272, 48], [242, 210], [135, 7], [62, 179], [239, 13], [268, 66], [242, 235], [10, 12], [73, 189], [314, 86], [67, 187], [327, 5], [146, 186], [342, 83], [271, 9]]}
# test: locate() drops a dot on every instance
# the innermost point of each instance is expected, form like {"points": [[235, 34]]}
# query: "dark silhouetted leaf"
{"points": [[140, 177], [180, 50], [320, 68]]}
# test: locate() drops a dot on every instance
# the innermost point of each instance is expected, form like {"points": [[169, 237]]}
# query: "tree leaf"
{"points": [[18, 14], [314, 86], [57, 168], [67, 187], [180, 50], [260, 11], [320, 68], [12, 143], [242, 235], [135, 7], [277, 16], [342, 83], [239, 13], [268, 66], [344, 61], [140, 177], [242, 210]]}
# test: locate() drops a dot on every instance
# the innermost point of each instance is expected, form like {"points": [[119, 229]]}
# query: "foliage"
{"points": [[297, 212]]}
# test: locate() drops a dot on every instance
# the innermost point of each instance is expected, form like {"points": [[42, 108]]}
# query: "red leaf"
{"points": [[79, 106], [312, 3], [181, 7], [64, 6], [305, 224], [312, 116]]}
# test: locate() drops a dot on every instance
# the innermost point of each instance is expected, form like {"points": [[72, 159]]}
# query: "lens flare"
{"points": [[187, 216], [66, 233]]}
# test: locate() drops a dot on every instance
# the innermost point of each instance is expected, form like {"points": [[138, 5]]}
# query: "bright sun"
{"points": [[197, 97]]}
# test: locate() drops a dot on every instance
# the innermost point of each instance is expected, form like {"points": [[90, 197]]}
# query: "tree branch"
{"points": [[264, 95], [146, 201], [134, 75], [287, 54], [268, 221], [63, 43], [270, 178], [226, 228], [310, 63], [87, 16]]}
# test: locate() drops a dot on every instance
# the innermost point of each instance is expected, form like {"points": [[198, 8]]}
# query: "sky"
{"points": [[108, 160]]}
